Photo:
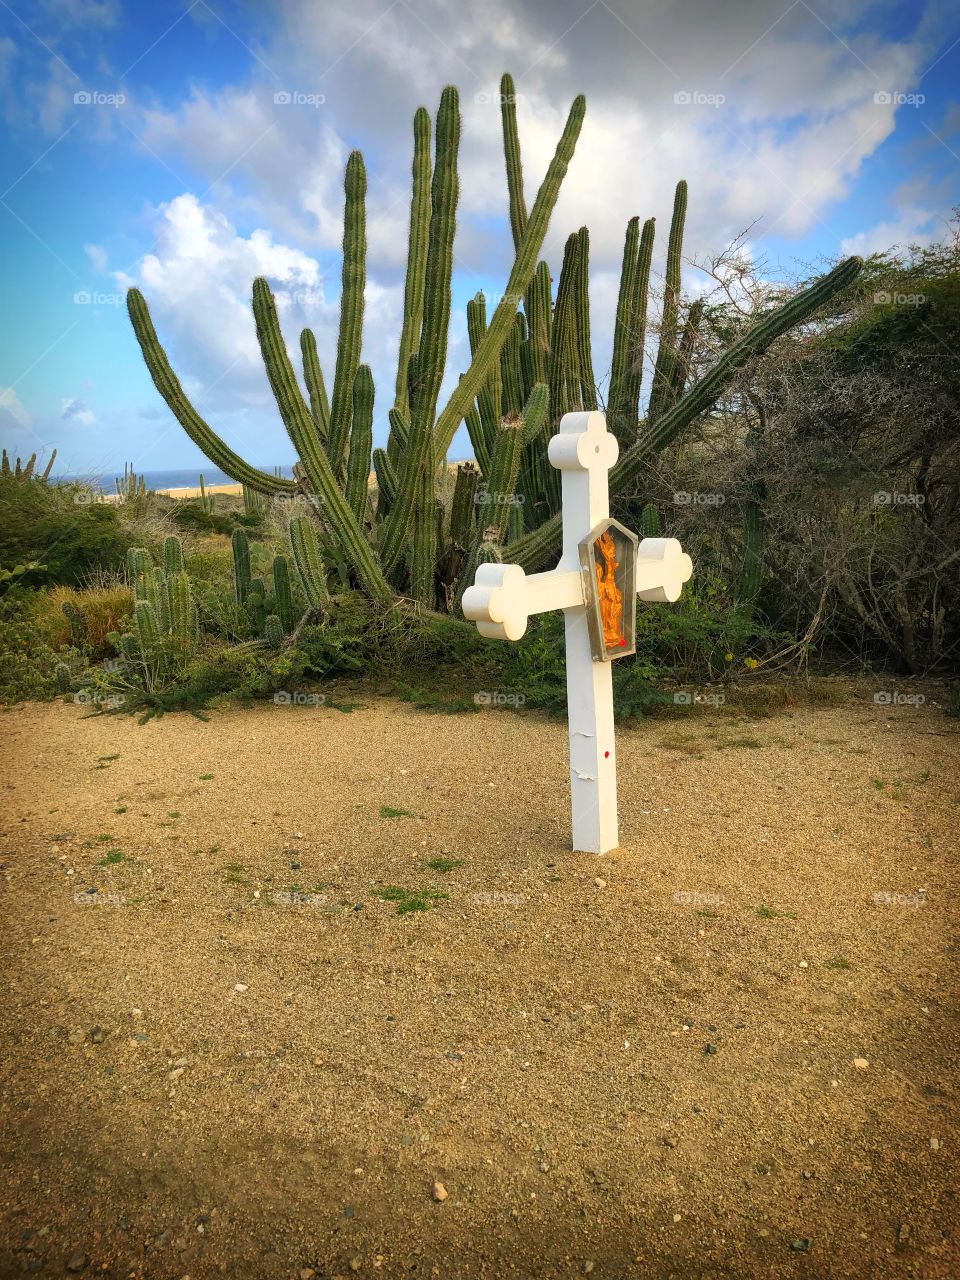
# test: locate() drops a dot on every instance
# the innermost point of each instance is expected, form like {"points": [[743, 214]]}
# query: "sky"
{"points": [[187, 146]]}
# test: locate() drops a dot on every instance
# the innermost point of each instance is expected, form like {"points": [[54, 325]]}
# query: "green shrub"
{"points": [[28, 665], [64, 538]]}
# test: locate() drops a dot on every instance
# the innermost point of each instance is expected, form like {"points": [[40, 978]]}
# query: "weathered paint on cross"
{"points": [[503, 597]]}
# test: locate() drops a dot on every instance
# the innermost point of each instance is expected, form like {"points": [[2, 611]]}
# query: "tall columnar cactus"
{"points": [[23, 472], [172, 556], [208, 501], [354, 276], [400, 541], [131, 486], [240, 546], [252, 503], [663, 373], [307, 558], [361, 443], [283, 594]]}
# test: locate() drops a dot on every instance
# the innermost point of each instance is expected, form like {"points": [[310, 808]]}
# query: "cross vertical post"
{"points": [[585, 501], [597, 593]]}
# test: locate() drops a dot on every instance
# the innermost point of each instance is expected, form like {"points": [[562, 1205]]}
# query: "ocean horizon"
{"points": [[177, 478]]}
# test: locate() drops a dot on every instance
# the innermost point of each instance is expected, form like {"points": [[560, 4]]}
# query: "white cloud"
{"points": [[10, 407], [912, 226], [76, 411], [97, 255]]}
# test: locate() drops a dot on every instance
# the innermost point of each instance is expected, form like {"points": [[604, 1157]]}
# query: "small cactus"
{"points": [[273, 631], [252, 502], [208, 501], [78, 624], [63, 677]]}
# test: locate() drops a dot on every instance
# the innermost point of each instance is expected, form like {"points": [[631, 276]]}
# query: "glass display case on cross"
{"points": [[608, 557]]}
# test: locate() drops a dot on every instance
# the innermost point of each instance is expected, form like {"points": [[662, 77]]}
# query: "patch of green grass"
{"points": [[111, 858], [768, 913], [122, 809], [104, 758], [445, 864], [174, 813], [838, 962], [206, 777], [104, 839], [408, 900], [436, 703], [344, 707], [232, 873], [710, 915], [754, 744], [878, 784], [387, 811]]}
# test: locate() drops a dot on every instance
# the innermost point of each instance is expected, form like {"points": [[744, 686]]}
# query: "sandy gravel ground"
{"points": [[727, 1049]]}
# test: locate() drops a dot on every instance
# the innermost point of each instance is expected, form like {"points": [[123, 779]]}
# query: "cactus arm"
{"points": [[490, 395], [414, 285], [666, 348], [172, 555], [511, 151], [203, 436], [314, 459], [638, 321], [536, 413], [539, 308], [535, 547], [182, 614], [650, 521], [520, 276], [511, 374], [564, 358], [478, 439], [351, 309], [316, 387], [423, 550], [48, 468], [630, 330], [306, 556], [361, 443], [463, 509], [618, 412], [386, 481], [588, 385], [433, 343], [240, 548], [282, 594]]}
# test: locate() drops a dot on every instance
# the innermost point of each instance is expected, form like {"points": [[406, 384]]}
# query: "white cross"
{"points": [[503, 597]]}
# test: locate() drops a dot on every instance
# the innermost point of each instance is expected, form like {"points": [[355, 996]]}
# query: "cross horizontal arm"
{"points": [[558, 589], [502, 597]]}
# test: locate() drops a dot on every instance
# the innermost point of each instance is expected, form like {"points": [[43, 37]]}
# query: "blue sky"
{"points": [[151, 144]]}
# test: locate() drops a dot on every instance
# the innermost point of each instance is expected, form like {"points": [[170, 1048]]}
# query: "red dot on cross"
{"points": [[606, 755]]}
